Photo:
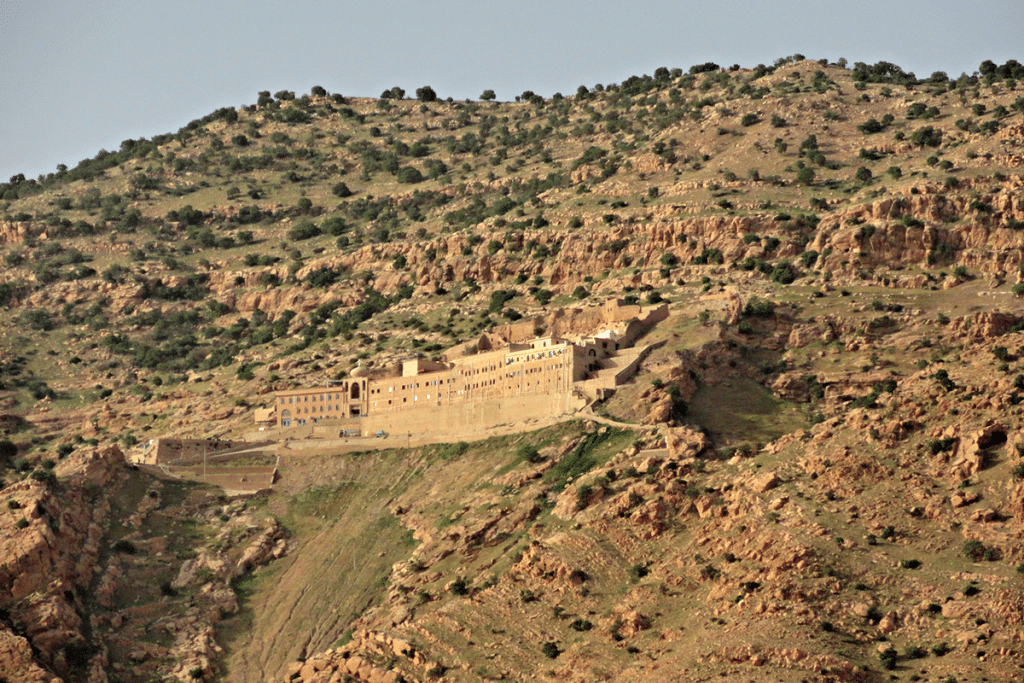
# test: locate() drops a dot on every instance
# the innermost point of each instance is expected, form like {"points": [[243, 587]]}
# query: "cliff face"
{"points": [[48, 559]]}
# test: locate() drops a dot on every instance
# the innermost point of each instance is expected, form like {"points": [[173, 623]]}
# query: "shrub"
{"points": [[750, 119], [928, 136], [910, 564], [341, 190], [784, 273], [805, 176], [550, 650], [914, 652], [304, 231], [974, 550], [583, 495], [870, 127], [863, 174], [581, 624], [409, 175], [459, 587], [759, 308], [942, 377]]}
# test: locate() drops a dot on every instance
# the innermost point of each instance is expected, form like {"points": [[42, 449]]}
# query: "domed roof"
{"points": [[361, 371]]}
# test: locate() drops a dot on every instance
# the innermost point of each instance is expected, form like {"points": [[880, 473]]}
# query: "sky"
{"points": [[78, 77]]}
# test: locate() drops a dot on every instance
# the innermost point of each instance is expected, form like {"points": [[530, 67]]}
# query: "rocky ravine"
{"points": [[104, 570]]}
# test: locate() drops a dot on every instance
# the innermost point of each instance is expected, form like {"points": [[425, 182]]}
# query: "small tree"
{"points": [[426, 94], [318, 91], [341, 190], [805, 176], [487, 95], [863, 174], [928, 136], [409, 175]]}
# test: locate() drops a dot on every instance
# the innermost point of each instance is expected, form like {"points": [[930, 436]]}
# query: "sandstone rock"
{"points": [[765, 482]]}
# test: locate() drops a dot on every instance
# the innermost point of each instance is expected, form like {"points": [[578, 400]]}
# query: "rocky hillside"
{"points": [[819, 472]]}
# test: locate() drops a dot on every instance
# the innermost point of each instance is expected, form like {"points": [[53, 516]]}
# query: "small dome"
{"points": [[360, 371]]}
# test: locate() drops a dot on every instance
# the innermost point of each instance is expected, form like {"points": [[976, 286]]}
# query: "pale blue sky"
{"points": [[76, 77]]}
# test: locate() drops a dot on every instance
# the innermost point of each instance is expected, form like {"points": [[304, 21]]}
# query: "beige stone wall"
{"points": [[164, 451], [470, 416]]}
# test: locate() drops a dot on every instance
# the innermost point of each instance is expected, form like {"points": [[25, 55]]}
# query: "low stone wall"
{"points": [[230, 478]]}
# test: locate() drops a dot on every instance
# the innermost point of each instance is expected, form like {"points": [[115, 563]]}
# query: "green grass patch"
{"points": [[593, 449], [740, 410], [325, 502]]}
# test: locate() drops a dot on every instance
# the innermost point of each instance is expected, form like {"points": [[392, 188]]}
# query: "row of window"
{"points": [[305, 399], [321, 409]]}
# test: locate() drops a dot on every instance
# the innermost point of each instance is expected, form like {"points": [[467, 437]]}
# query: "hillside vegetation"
{"points": [[818, 476]]}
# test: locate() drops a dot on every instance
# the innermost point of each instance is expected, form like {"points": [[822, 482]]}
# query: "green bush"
{"points": [[928, 136], [581, 624], [304, 231], [550, 650], [973, 550], [409, 175], [583, 494]]}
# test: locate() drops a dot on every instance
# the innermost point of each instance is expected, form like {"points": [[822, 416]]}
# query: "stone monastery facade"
{"points": [[541, 377]]}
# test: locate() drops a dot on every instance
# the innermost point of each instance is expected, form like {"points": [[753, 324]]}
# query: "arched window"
{"points": [[355, 391]]}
